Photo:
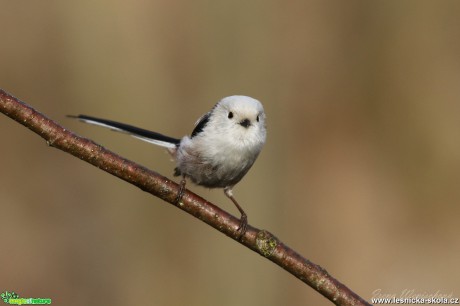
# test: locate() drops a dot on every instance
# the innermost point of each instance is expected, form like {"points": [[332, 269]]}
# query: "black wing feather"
{"points": [[201, 124]]}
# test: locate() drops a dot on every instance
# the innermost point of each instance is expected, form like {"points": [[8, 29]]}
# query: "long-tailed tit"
{"points": [[221, 149]]}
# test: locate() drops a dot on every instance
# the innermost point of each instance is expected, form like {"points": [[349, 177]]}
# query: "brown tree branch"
{"points": [[260, 241]]}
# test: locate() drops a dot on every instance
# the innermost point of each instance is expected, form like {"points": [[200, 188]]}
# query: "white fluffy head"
{"points": [[240, 118]]}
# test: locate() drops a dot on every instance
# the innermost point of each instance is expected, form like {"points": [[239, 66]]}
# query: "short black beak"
{"points": [[246, 123]]}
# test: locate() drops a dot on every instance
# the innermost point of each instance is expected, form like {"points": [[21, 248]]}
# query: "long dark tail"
{"points": [[145, 135]]}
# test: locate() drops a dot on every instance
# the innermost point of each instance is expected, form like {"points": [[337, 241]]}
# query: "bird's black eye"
{"points": [[230, 115], [257, 118]]}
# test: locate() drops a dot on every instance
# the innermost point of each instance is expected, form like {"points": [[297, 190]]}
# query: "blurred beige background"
{"points": [[360, 173]]}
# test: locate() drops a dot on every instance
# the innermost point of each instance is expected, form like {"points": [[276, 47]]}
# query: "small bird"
{"points": [[221, 149]]}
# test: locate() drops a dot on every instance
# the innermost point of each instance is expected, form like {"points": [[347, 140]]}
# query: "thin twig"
{"points": [[260, 241]]}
